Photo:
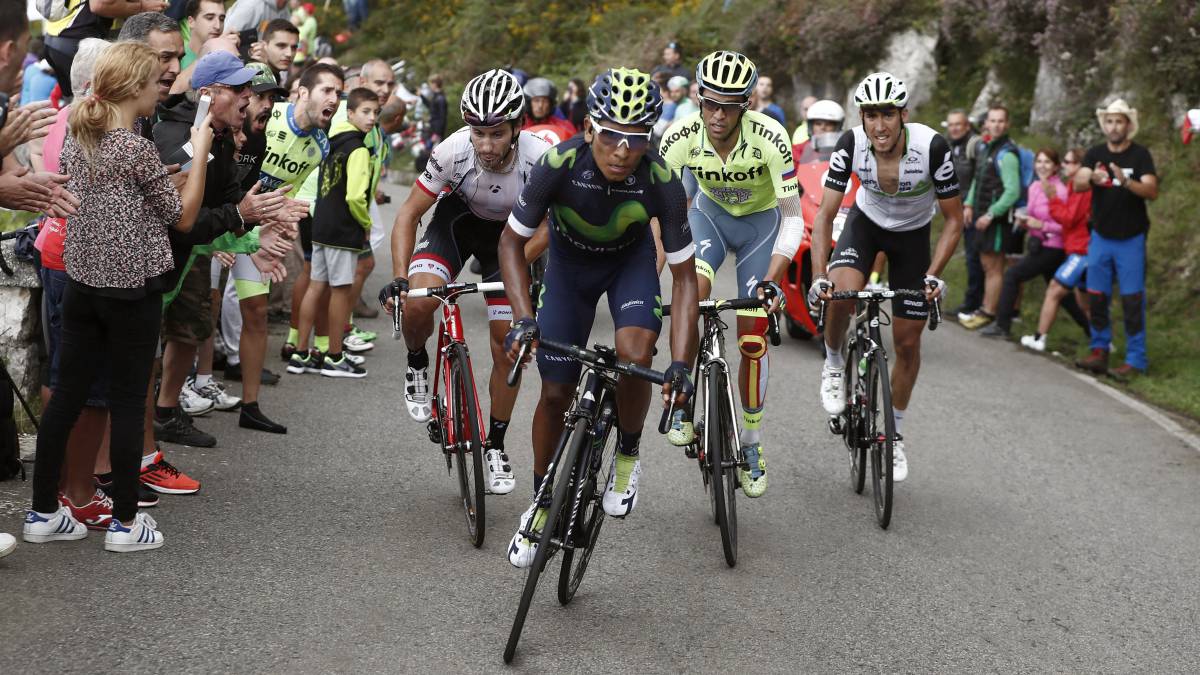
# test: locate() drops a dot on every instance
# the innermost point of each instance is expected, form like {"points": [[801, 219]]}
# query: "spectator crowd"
{"points": [[179, 163]]}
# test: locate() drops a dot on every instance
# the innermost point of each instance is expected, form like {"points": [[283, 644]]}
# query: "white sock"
{"points": [[202, 381], [147, 460], [899, 415], [834, 359]]}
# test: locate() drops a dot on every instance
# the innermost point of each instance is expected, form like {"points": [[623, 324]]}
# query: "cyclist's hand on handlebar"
{"points": [[522, 330], [388, 295], [934, 287], [678, 385], [820, 291], [769, 290]]}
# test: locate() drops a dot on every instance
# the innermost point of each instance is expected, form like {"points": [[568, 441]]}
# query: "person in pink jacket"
{"points": [[1045, 247]]}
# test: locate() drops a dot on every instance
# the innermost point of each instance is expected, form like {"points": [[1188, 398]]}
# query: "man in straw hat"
{"points": [[1121, 176]]}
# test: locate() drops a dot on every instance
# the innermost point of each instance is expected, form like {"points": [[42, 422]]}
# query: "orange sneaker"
{"points": [[162, 476]]}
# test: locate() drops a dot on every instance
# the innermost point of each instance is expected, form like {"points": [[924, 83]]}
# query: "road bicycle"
{"points": [[868, 425], [456, 424], [573, 487], [715, 413]]}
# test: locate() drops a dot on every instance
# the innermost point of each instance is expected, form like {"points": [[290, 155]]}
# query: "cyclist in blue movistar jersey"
{"points": [[907, 171], [602, 190]]}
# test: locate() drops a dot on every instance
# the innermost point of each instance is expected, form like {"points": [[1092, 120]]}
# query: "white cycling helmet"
{"points": [[829, 111], [881, 90], [492, 98]]}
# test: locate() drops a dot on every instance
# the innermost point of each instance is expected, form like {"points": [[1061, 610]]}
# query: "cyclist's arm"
{"points": [[537, 244], [660, 256], [675, 236], [946, 188], [528, 214], [787, 242], [837, 181], [404, 230]]}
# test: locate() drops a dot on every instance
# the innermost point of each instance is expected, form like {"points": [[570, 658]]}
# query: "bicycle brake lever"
{"points": [[396, 334], [773, 329], [664, 424], [514, 375]]}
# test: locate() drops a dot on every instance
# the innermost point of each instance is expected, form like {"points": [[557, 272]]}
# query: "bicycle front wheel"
{"points": [[560, 477], [722, 454], [882, 432], [468, 442], [588, 503], [853, 426]]}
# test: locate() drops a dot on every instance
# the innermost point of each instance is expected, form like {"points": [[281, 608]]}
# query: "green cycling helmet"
{"points": [[624, 96]]}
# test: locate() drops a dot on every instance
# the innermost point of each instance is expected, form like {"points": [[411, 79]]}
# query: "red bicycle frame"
{"points": [[451, 332]]}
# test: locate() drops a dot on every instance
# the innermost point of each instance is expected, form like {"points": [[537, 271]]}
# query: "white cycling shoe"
{"points": [[500, 480], [833, 390], [621, 494], [416, 394], [521, 549], [899, 461]]}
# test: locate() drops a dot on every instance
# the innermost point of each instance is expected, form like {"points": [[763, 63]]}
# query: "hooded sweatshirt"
{"points": [[341, 217]]}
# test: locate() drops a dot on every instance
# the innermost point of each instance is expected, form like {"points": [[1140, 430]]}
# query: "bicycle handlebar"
{"points": [[716, 306], [935, 309], [456, 289]]}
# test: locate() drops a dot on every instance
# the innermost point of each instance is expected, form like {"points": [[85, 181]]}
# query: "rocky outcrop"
{"points": [[912, 57], [20, 322]]}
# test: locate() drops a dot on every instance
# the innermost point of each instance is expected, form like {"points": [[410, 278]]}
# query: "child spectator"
{"points": [[341, 225], [1073, 213]]}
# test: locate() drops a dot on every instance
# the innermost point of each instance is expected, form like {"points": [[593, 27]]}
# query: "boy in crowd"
{"points": [[341, 227]]}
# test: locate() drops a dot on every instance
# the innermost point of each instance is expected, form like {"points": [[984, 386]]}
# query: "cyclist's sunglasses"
{"points": [[636, 141], [713, 105]]}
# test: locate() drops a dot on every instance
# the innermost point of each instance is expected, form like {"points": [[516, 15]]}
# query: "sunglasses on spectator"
{"points": [[636, 141], [1070, 161], [235, 88], [713, 105]]}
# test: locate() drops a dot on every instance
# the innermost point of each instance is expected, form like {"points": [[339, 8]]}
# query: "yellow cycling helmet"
{"points": [[728, 73]]}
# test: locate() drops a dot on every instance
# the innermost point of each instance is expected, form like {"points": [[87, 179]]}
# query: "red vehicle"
{"points": [[812, 162]]}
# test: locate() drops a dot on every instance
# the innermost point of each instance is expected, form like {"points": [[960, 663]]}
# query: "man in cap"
{"points": [[1121, 176]]}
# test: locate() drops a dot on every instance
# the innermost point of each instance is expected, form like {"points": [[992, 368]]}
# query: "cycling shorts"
{"points": [[454, 235], [907, 255], [247, 280], [750, 237], [1073, 272], [571, 289]]}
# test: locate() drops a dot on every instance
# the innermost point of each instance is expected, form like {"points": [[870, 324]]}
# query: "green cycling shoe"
{"points": [[754, 481], [682, 432]]}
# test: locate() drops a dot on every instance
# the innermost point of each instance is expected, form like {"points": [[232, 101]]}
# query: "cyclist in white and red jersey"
{"points": [[474, 177]]}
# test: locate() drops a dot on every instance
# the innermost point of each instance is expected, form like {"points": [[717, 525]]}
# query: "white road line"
{"points": [[1169, 425]]}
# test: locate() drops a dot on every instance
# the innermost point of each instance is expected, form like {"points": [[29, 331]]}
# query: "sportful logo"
{"points": [[704, 245]]}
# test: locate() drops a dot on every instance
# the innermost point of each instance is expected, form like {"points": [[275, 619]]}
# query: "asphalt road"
{"points": [[1044, 527]]}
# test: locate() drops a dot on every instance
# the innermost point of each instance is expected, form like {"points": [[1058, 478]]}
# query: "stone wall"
{"points": [[20, 322]]}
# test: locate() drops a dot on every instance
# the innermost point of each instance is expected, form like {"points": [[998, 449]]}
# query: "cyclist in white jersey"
{"points": [[474, 177], [906, 171]]}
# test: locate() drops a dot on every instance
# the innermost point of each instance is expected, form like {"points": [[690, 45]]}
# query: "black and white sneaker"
{"points": [[341, 368]]}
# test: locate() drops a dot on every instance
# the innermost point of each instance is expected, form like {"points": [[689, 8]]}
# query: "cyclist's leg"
{"points": [[848, 269], [759, 231], [711, 246], [437, 260], [908, 259], [635, 301]]}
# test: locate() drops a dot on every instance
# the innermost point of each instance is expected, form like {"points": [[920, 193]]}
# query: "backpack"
{"points": [[1026, 158]]}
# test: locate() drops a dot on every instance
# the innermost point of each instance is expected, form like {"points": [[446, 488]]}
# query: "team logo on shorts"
{"points": [[588, 174]]}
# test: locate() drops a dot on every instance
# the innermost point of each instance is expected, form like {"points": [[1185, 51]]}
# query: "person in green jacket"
{"points": [[994, 192]]}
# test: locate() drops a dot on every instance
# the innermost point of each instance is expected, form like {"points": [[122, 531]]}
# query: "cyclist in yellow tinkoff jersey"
{"points": [[748, 204]]}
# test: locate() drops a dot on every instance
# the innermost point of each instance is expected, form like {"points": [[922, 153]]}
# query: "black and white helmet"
{"points": [[492, 98], [881, 90]]}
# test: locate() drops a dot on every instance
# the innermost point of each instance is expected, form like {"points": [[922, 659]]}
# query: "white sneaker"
{"points": [[521, 549], [500, 479], [62, 526], [215, 392], [1034, 343], [354, 358], [353, 343], [899, 461], [143, 535], [192, 402], [619, 503], [8, 544], [833, 390], [416, 394]]}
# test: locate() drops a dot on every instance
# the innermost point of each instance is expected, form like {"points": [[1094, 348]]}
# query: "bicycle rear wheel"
{"points": [[559, 476], [722, 454], [587, 505], [882, 431], [853, 430], [468, 446]]}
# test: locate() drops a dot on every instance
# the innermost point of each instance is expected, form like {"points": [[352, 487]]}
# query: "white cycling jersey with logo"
{"points": [[453, 168], [926, 175]]}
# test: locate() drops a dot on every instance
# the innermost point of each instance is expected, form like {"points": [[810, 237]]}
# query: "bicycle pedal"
{"points": [[835, 425], [434, 431], [690, 451]]}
